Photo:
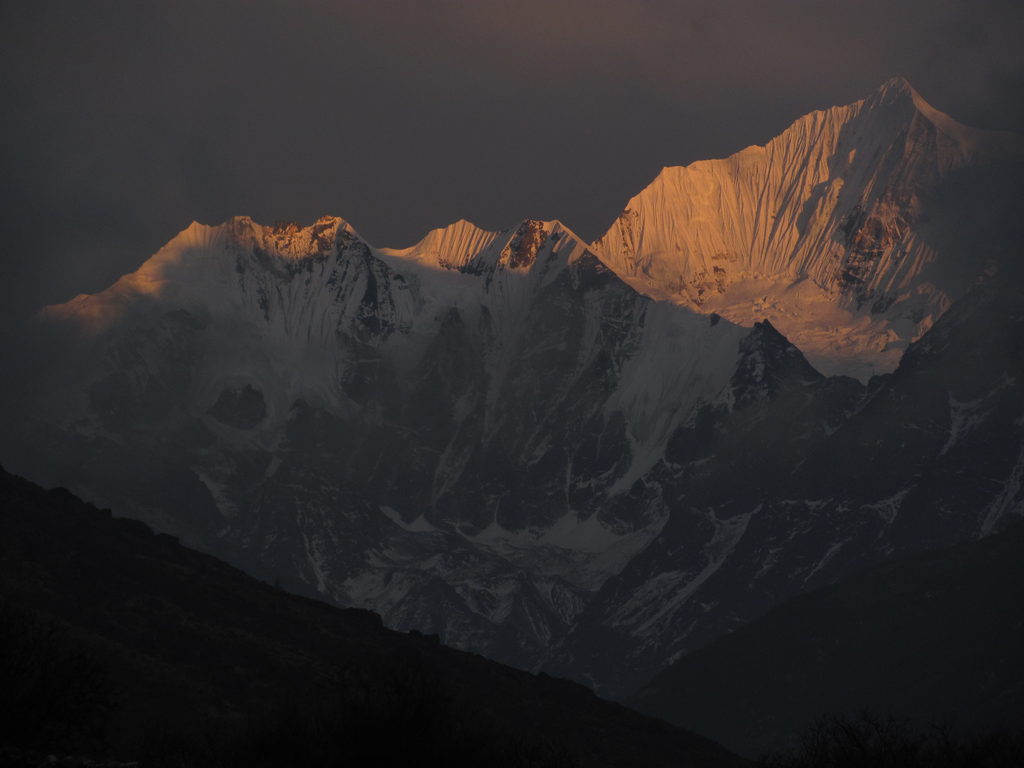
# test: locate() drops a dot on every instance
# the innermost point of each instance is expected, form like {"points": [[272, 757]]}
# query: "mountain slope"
{"points": [[190, 642], [797, 489], [843, 230], [931, 636]]}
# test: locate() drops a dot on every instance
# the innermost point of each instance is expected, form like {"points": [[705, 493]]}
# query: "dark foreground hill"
{"points": [[123, 643], [934, 637]]}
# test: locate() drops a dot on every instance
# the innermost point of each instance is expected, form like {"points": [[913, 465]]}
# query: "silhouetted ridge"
{"points": [[211, 667]]}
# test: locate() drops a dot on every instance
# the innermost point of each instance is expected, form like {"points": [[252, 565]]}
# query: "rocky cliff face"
{"points": [[501, 438]]}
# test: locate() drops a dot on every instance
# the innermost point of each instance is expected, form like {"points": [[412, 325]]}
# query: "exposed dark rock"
{"points": [[240, 407]]}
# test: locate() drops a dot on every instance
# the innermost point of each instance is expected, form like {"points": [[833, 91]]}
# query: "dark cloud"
{"points": [[126, 120]]}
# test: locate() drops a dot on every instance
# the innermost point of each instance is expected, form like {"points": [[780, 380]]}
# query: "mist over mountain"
{"points": [[773, 371]]}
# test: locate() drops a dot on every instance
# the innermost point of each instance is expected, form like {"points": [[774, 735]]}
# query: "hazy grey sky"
{"points": [[124, 121]]}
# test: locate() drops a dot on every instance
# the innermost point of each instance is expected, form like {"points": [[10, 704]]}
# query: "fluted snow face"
{"points": [[533, 247], [451, 247], [824, 231]]}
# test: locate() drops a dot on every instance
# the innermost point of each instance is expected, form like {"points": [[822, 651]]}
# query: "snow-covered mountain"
{"points": [[845, 231], [509, 439], [441, 434]]}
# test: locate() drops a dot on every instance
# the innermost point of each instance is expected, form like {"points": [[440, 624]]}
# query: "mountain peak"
{"points": [[768, 363], [521, 251], [449, 247], [898, 94], [534, 236], [465, 247], [829, 229], [285, 239], [896, 87]]}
